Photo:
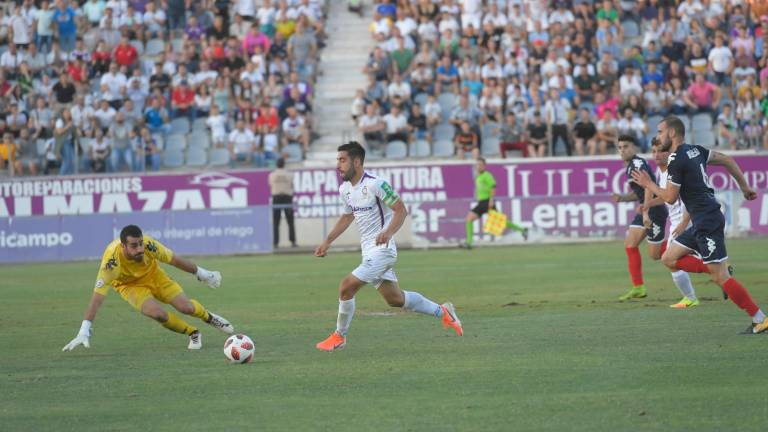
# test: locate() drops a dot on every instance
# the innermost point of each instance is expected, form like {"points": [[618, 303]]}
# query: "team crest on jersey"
{"points": [[365, 190], [111, 264], [692, 153], [637, 163], [99, 283], [151, 247]]}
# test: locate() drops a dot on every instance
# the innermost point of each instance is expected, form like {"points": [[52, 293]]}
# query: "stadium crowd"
{"points": [[95, 85], [471, 77]]}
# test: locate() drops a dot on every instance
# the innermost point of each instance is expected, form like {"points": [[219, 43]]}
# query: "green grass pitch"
{"points": [[546, 347]]}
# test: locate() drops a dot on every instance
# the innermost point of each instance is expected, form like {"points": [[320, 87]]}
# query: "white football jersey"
{"points": [[369, 201], [675, 209]]}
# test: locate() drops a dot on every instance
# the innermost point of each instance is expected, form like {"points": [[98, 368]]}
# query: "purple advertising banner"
{"points": [[191, 232], [67, 218], [541, 194]]}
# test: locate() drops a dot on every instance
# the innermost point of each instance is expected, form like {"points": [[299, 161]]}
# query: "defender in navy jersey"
{"points": [[649, 222], [688, 180], [378, 212]]}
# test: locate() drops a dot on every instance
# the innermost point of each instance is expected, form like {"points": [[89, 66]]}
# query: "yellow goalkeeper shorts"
{"points": [[158, 286]]}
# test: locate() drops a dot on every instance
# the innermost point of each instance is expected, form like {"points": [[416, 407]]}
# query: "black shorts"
{"points": [[654, 234], [707, 240], [481, 208]]}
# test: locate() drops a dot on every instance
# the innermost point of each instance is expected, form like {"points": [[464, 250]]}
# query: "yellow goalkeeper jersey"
{"points": [[116, 269]]}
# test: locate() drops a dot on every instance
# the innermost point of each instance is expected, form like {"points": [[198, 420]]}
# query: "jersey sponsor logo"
{"points": [[151, 246], [656, 230], [99, 283], [359, 209], [711, 246], [692, 153]]}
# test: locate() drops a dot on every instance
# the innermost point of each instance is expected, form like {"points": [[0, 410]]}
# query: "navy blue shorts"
{"points": [[707, 241], [654, 234]]}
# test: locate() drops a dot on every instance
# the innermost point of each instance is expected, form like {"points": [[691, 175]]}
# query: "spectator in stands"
{"points": [[119, 135], [9, 154], [242, 144], [702, 96], [418, 125], [66, 26], [607, 132], [585, 134], [556, 113], [538, 136], [512, 136], [396, 125], [65, 134], [183, 102], [727, 128], [295, 130], [97, 156], [632, 125], [466, 112], [466, 141], [372, 126], [27, 158], [148, 151]]}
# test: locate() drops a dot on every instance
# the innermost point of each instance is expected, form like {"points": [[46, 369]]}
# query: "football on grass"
{"points": [[239, 349]]}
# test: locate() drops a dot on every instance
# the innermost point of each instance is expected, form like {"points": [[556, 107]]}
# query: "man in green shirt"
{"points": [[485, 189]]}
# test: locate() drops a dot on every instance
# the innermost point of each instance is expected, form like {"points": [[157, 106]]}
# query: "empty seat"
{"points": [[701, 121], [421, 99], [443, 148], [653, 123], [704, 137], [686, 122], [631, 29], [293, 153], [180, 125], [396, 150], [176, 142], [173, 158], [139, 47], [489, 146], [154, 47], [420, 148], [197, 156], [199, 139], [444, 132], [219, 157], [200, 124]]}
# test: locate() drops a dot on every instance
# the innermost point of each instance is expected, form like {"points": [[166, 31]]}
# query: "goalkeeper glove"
{"points": [[81, 338]]}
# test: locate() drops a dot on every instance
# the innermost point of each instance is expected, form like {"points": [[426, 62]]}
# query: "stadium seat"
{"points": [[444, 132], [199, 140], [180, 125], [396, 150], [219, 157], [489, 146], [173, 158], [139, 47], [177, 44], [491, 129], [154, 47], [631, 29], [701, 121], [686, 122], [85, 145], [420, 148], [293, 152], [40, 147], [443, 148], [653, 123], [197, 156], [199, 124], [421, 99], [176, 142], [447, 102], [704, 137]]}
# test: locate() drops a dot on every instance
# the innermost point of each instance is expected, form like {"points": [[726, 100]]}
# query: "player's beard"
{"points": [[349, 174], [666, 145]]}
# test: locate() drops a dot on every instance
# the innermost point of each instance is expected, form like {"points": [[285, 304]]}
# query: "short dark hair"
{"points": [[627, 138], [130, 231], [280, 163], [481, 159], [354, 150], [674, 123], [655, 142]]}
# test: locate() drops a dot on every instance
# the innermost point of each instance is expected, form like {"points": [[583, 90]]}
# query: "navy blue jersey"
{"points": [[687, 170], [638, 164]]}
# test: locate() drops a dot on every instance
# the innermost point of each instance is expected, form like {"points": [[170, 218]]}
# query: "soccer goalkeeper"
{"points": [[130, 266], [485, 189]]}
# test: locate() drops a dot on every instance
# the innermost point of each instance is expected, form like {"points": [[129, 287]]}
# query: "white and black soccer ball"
{"points": [[238, 349]]}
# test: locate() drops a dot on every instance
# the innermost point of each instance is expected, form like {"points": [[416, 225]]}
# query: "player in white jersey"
{"points": [[379, 213], [679, 222]]}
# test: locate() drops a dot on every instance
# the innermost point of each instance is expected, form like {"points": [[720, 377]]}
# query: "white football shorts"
{"points": [[377, 266]]}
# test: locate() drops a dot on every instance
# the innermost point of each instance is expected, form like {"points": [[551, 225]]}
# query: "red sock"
{"points": [[663, 247], [635, 265], [739, 295], [691, 264]]}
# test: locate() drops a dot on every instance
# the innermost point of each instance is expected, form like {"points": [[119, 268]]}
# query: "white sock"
{"points": [[758, 317], [418, 303], [683, 283], [346, 311]]}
